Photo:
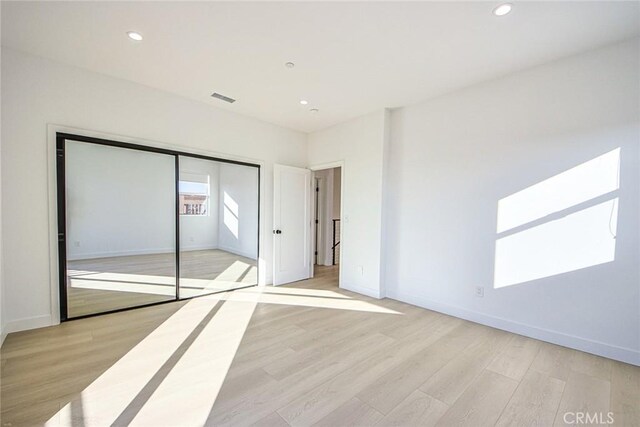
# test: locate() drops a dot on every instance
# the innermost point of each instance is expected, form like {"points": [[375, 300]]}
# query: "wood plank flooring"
{"points": [[104, 284], [301, 355]]}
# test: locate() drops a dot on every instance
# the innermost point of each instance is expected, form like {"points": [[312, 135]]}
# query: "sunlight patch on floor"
{"points": [[304, 292], [188, 393], [310, 300], [104, 399], [174, 375]]}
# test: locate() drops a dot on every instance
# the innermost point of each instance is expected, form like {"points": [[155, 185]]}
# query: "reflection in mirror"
{"points": [[218, 226], [120, 223]]}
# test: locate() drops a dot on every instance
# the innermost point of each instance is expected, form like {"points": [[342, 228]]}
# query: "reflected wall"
{"points": [[219, 226]]}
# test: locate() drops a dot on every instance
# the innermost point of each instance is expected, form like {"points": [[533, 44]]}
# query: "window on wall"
{"points": [[194, 194]]}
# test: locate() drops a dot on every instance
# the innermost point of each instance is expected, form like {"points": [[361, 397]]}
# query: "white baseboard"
{"points": [[237, 252], [95, 255], [621, 354], [197, 248], [110, 254], [27, 323], [360, 290]]}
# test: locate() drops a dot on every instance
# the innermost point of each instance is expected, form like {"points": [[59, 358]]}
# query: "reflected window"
{"points": [[194, 194]]}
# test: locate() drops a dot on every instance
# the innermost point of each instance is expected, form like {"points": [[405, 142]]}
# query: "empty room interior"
{"points": [[367, 213]]}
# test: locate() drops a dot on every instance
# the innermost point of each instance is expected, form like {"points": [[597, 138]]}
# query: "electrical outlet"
{"points": [[361, 270], [479, 291], [191, 238], [76, 244]]}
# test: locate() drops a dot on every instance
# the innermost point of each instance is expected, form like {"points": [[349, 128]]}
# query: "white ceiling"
{"points": [[351, 58]]}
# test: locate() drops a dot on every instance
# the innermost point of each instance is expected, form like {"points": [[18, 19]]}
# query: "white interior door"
{"points": [[291, 224]]}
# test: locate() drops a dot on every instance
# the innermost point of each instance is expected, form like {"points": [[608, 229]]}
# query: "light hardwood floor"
{"points": [[304, 354], [104, 284]]}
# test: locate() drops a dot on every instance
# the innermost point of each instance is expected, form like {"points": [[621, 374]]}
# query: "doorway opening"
{"points": [[327, 230]]}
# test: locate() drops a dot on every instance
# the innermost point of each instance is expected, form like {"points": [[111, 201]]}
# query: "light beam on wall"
{"points": [[579, 240], [576, 185], [564, 223], [230, 214]]}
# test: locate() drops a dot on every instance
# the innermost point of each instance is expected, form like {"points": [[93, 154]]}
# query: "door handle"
{"points": [[277, 231]]}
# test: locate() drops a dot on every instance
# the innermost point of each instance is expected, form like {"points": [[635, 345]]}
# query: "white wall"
{"points": [[38, 92], [199, 232], [107, 216], [453, 158], [238, 225], [360, 144]]}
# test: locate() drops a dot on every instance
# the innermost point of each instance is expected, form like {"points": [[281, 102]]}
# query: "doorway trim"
{"points": [[318, 167]]}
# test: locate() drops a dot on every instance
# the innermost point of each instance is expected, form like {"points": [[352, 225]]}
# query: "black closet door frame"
{"points": [[61, 138]]}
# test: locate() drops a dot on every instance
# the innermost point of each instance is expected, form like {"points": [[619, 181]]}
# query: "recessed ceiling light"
{"points": [[503, 9], [303, 102], [134, 36], [289, 64], [314, 110]]}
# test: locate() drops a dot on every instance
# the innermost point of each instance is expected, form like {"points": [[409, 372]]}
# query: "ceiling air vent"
{"points": [[223, 98]]}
